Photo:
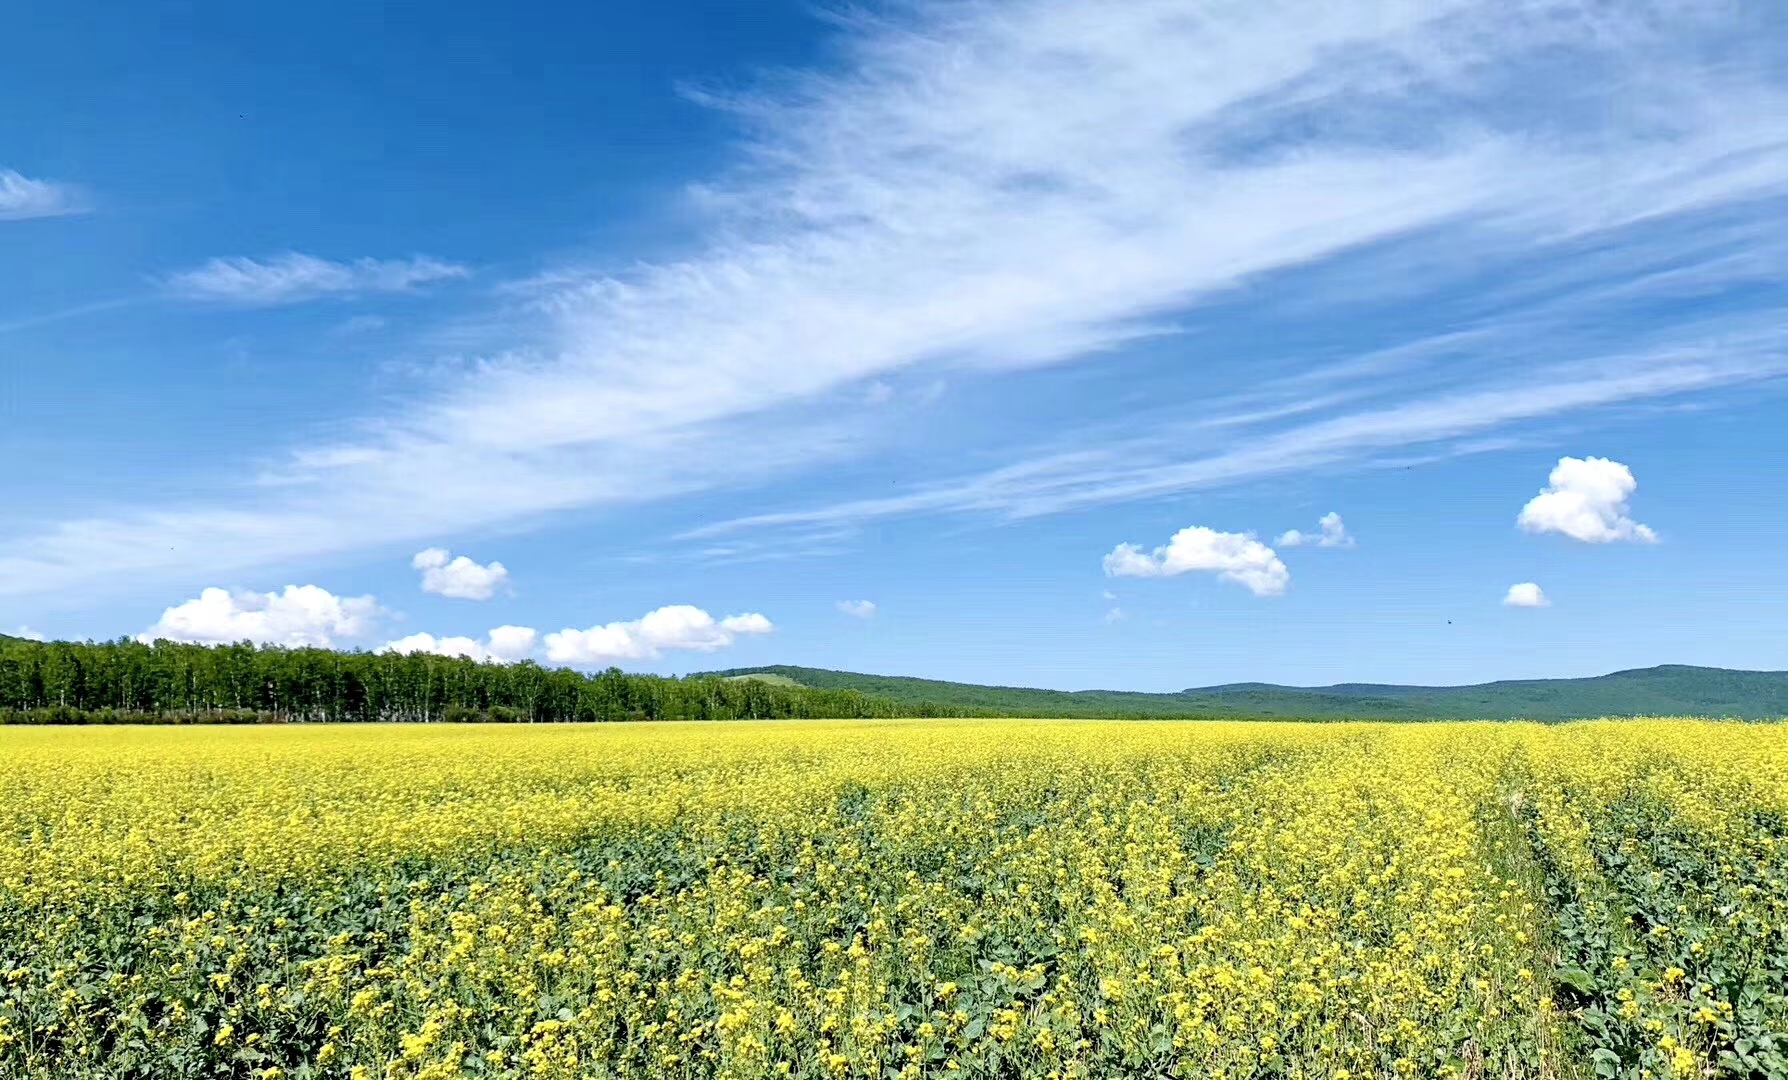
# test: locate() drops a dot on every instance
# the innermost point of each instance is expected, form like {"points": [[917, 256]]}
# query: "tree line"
{"points": [[128, 681]]}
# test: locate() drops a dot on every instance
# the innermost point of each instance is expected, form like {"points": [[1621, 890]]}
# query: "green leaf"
{"points": [[1607, 1062]]}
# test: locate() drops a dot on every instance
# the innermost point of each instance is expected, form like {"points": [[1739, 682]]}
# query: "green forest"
{"points": [[127, 681]]}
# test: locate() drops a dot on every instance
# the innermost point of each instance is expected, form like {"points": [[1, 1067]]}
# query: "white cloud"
{"points": [[22, 197], [460, 578], [1586, 499], [749, 623], [1146, 468], [1526, 594], [1115, 615], [29, 634], [1001, 185], [512, 643], [860, 609], [446, 646], [505, 644], [360, 324], [300, 615], [294, 277], [1236, 557], [1332, 533], [1107, 594], [679, 626]]}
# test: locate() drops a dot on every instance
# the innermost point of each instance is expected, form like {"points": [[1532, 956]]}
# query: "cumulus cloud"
{"points": [[444, 646], [1236, 557], [460, 578], [679, 626], [294, 277], [29, 634], [1526, 594], [860, 609], [504, 644], [1586, 499], [512, 643], [22, 197], [1331, 533], [298, 616]]}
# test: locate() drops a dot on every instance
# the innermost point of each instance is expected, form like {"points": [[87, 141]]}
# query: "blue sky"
{"points": [[691, 327]]}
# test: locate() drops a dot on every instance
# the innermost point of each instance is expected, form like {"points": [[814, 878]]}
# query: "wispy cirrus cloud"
{"points": [[22, 197], [1146, 468], [997, 188], [294, 277]]}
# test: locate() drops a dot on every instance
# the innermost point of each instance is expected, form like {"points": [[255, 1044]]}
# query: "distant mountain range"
{"points": [[1669, 690]]}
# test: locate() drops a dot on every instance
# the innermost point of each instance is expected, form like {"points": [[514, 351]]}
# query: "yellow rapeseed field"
{"points": [[1017, 899]]}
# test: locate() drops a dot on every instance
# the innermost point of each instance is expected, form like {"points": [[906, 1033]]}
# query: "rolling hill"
{"points": [[1669, 690]]}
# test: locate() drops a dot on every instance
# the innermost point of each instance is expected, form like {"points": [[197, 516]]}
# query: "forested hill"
{"points": [[129, 681], [126, 681], [1671, 690]]}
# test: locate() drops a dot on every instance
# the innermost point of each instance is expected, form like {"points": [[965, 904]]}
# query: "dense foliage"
{"points": [[1017, 900], [1668, 877], [128, 681], [1669, 690]]}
